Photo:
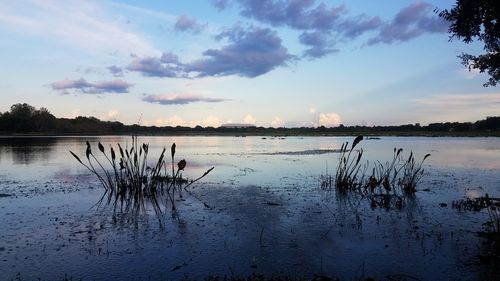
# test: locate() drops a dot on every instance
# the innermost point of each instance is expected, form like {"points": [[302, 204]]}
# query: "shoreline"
{"points": [[373, 135]]}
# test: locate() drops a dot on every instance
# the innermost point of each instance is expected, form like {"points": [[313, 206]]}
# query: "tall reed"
{"points": [[412, 173], [385, 175], [130, 183], [346, 177]]}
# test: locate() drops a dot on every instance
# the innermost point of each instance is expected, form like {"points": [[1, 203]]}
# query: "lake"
{"points": [[267, 214]]}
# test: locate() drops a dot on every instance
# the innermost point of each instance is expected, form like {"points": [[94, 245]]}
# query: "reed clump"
{"points": [[389, 183], [131, 183], [346, 177]]}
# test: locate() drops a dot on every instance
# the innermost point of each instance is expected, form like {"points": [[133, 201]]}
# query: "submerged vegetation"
{"points": [[131, 184], [388, 184], [490, 204], [490, 253]]}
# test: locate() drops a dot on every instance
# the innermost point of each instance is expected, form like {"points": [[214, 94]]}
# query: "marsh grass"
{"points": [[346, 177], [412, 173], [389, 184], [385, 175], [131, 184]]}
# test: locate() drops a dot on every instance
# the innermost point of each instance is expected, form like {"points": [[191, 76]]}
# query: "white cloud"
{"points": [[468, 74], [445, 101], [210, 121], [81, 24], [277, 122], [170, 121], [331, 119], [112, 114], [249, 119], [312, 110], [74, 113], [464, 107]]}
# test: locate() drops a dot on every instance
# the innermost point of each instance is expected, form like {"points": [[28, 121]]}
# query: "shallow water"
{"points": [[269, 214]]}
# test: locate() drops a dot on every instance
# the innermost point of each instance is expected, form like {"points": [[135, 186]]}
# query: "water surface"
{"points": [[269, 214]]}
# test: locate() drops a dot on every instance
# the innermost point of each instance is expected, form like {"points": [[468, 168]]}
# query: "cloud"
{"points": [[111, 115], [221, 4], [249, 119], [318, 42], [297, 14], [354, 27], [169, 99], [249, 53], [312, 110], [85, 87], [463, 101], [462, 107], [168, 65], [186, 24], [331, 119], [170, 121], [409, 23], [74, 113], [321, 23], [82, 24], [210, 121], [468, 73], [115, 70], [277, 122]]}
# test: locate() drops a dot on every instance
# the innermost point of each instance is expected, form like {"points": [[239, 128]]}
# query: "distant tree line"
{"points": [[26, 119]]}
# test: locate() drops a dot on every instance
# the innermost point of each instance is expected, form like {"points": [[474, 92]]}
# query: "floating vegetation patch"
{"points": [[491, 252], [491, 204], [131, 184], [305, 152], [387, 186]]}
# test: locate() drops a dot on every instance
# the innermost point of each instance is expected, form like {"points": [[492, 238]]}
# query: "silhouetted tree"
{"points": [[478, 20], [43, 120], [20, 117], [491, 123]]}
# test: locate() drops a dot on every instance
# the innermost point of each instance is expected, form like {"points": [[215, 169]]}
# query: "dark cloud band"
{"points": [[83, 86], [178, 99]]}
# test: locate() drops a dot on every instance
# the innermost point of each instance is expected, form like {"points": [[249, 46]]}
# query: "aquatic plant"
{"points": [[346, 177], [412, 173], [388, 185], [492, 206], [130, 183], [381, 174]]}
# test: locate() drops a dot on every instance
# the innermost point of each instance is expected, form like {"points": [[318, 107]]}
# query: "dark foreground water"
{"points": [[267, 213]]}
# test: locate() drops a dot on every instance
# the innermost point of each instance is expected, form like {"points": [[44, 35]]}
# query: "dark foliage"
{"points": [[478, 20], [26, 119]]}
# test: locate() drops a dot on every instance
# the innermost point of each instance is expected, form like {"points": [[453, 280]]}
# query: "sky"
{"points": [[272, 63]]}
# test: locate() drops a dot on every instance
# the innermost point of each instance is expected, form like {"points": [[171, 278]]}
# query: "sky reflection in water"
{"points": [[305, 228]]}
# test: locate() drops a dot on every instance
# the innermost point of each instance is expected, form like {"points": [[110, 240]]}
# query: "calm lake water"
{"points": [[268, 213]]}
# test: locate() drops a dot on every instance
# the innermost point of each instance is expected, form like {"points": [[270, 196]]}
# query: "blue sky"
{"points": [[271, 63]]}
